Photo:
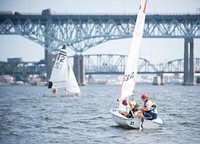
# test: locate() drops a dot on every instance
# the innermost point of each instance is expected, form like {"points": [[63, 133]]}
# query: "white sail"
{"points": [[60, 69], [128, 84], [72, 85]]}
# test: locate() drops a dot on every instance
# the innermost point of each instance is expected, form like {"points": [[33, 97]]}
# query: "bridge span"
{"points": [[115, 64], [101, 64], [81, 32]]}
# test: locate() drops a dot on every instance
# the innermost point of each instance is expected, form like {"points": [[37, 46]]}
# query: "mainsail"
{"points": [[128, 84], [60, 69]]}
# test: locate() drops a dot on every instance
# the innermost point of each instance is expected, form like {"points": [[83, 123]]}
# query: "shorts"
{"points": [[150, 115]]}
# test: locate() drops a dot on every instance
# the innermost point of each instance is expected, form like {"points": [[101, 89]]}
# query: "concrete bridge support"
{"points": [[49, 63], [188, 62], [79, 69], [158, 80]]}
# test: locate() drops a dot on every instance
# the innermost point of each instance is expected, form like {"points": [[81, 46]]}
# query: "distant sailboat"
{"points": [[62, 76], [128, 84]]}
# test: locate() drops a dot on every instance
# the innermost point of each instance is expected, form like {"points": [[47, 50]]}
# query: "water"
{"points": [[27, 117]]}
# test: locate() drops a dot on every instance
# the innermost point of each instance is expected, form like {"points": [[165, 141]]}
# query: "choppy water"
{"points": [[28, 118]]}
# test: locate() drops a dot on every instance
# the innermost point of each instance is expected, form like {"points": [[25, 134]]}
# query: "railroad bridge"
{"points": [[100, 64]]}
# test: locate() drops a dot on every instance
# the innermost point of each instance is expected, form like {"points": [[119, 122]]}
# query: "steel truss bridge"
{"points": [[115, 64], [81, 32], [101, 64]]}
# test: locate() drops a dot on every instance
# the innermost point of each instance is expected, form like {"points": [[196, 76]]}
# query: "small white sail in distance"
{"points": [[62, 74], [128, 84], [72, 85]]}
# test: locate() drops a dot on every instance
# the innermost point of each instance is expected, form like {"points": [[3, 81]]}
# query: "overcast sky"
{"points": [[155, 50]]}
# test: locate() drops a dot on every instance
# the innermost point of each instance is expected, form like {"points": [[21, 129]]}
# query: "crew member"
{"points": [[149, 110], [131, 109]]}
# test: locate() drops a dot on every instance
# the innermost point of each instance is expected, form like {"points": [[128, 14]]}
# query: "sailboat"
{"points": [[62, 77], [128, 84]]}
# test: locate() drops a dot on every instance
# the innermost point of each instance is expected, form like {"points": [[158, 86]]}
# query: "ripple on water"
{"points": [[27, 117]]}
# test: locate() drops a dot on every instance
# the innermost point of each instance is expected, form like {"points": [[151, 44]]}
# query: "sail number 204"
{"points": [[128, 76]]}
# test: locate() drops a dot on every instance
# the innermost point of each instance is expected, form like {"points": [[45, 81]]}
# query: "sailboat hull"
{"points": [[135, 123]]}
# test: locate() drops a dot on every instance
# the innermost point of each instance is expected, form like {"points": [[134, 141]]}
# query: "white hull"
{"points": [[61, 94], [135, 123]]}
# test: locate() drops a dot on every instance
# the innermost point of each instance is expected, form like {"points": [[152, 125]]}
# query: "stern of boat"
{"points": [[152, 124]]}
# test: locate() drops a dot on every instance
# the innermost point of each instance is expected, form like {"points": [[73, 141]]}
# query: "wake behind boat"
{"points": [[63, 81], [128, 84], [60, 94]]}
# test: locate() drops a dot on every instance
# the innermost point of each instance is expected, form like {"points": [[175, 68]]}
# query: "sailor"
{"points": [[131, 109], [55, 90], [149, 110]]}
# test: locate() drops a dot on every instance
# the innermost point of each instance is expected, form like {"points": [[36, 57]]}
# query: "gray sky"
{"points": [[155, 50]]}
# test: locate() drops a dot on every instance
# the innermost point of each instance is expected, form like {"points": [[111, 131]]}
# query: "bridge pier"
{"points": [[49, 63], [188, 62], [158, 80], [79, 69]]}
